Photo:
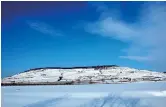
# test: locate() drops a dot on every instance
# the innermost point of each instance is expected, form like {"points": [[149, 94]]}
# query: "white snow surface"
{"points": [[140, 94], [52, 75]]}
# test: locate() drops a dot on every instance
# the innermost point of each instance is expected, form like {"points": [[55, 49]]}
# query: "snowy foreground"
{"points": [[140, 94], [84, 75]]}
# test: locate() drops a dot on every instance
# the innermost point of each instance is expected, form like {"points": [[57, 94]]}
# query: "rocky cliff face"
{"points": [[81, 75]]}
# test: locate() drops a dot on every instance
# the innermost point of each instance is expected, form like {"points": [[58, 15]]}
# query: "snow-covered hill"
{"points": [[85, 75]]}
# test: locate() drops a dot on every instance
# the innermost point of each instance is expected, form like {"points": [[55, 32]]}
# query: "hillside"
{"points": [[83, 75]]}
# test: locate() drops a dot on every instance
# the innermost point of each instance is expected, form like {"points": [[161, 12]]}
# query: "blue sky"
{"points": [[48, 34]]}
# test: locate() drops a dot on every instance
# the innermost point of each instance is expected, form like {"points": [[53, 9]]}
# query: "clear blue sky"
{"points": [[48, 34]]}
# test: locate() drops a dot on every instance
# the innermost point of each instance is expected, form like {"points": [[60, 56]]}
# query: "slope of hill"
{"points": [[83, 75]]}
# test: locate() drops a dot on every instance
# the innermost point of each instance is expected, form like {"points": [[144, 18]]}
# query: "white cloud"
{"points": [[147, 36], [138, 58], [44, 28]]}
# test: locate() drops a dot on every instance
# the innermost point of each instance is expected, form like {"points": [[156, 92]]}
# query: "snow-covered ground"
{"points": [[109, 75], [146, 94]]}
